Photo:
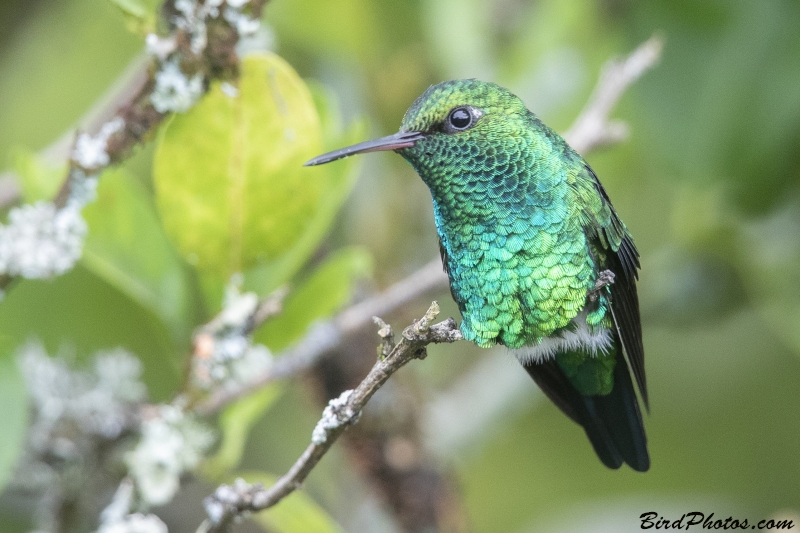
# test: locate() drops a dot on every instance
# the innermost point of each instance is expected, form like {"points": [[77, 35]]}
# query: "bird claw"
{"points": [[604, 279]]}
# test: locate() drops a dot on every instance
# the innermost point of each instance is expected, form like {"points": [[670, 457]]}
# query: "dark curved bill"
{"points": [[403, 139]]}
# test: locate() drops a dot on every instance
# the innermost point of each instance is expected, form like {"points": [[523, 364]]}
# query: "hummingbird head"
{"points": [[453, 124], [457, 106]]}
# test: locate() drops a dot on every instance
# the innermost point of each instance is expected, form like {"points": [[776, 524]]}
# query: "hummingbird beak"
{"points": [[402, 139]]}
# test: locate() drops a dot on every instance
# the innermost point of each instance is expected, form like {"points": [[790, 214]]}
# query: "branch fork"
{"points": [[229, 502]]}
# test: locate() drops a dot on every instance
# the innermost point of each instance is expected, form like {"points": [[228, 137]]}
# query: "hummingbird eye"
{"points": [[459, 119]]}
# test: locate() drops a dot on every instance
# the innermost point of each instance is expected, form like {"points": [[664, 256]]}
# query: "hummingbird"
{"points": [[537, 257]]}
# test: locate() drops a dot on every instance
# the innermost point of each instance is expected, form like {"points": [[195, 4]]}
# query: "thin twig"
{"points": [[326, 336], [594, 128], [230, 501], [267, 308], [241, 318]]}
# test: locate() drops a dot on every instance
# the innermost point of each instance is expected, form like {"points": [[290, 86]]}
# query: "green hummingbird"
{"points": [[538, 259]]}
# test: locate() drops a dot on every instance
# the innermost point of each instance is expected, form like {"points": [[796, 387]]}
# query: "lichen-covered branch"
{"points": [[230, 501], [223, 349], [46, 239], [326, 336]]}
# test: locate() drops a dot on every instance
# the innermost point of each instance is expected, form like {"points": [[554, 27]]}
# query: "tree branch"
{"points": [[230, 501], [241, 315], [200, 47], [326, 336]]}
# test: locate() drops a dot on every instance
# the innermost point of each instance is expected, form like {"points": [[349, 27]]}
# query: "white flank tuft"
{"points": [[580, 337]]}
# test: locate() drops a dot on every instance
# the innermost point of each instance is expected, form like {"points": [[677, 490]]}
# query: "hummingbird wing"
{"points": [[625, 311], [622, 258], [612, 422]]}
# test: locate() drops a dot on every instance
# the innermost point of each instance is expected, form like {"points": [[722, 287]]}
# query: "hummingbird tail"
{"points": [[613, 422]]}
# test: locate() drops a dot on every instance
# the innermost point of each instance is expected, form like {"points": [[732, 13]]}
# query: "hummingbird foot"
{"points": [[604, 279]]}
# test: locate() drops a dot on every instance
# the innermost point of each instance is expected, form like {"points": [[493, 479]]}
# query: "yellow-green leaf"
{"points": [[343, 175], [340, 180], [230, 184], [139, 17]]}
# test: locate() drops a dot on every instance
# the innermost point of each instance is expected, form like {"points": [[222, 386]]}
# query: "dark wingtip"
{"points": [[619, 412], [617, 437], [613, 423]]}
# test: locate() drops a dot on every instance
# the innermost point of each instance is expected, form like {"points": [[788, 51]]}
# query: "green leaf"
{"points": [[341, 178], [132, 8], [38, 180], [127, 247], [231, 187], [235, 424], [13, 398], [139, 17], [297, 513], [318, 297]]}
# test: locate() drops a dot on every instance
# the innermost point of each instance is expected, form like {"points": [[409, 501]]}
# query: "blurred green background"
{"points": [[709, 184]]}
